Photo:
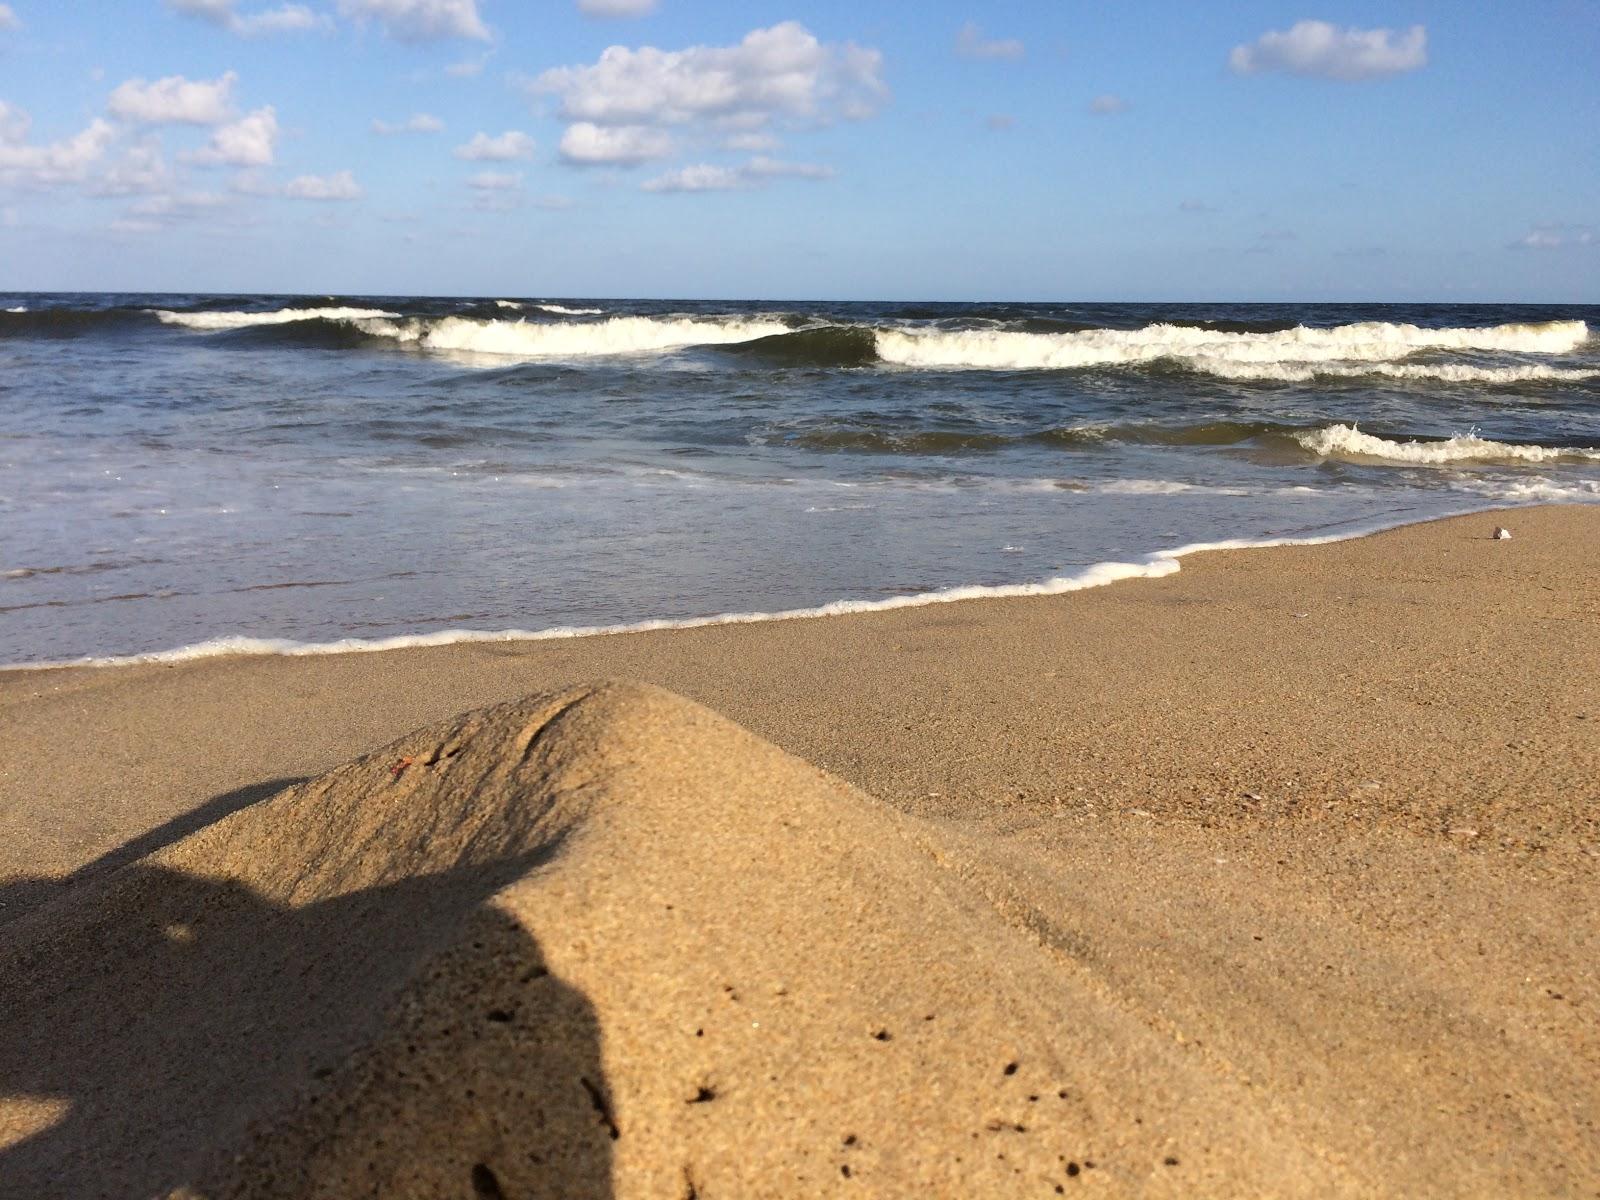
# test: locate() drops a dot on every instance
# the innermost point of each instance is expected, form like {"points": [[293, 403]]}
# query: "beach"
{"points": [[1274, 875]]}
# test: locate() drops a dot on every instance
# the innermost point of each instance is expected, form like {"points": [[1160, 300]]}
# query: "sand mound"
{"points": [[600, 942]]}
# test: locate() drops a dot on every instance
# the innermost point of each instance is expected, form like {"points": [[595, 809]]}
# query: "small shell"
{"points": [[1502, 534]]}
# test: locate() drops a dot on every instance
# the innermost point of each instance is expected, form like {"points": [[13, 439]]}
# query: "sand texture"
{"points": [[1277, 877]]}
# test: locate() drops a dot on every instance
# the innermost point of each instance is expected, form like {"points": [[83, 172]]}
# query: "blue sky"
{"points": [[944, 150]]}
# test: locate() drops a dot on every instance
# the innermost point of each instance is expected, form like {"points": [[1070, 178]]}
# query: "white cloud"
{"points": [[616, 8], [341, 185], [159, 212], [1556, 236], [970, 43], [174, 100], [511, 144], [9, 19], [751, 142], [1107, 105], [415, 123], [762, 167], [781, 71], [588, 144], [140, 170], [1327, 51], [466, 69], [496, 181], [248, 142], [420, 20], [553, 202], [286, 18], [704, 177], [65, 161]]}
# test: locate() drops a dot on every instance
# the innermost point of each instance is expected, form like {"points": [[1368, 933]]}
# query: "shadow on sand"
{"points": [[162, 1031]]}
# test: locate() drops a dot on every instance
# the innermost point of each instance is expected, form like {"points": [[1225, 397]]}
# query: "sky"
{"points": [[947, 150]]}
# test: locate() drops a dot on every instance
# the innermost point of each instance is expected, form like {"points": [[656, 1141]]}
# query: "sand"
{"points": [[1277, 876]]}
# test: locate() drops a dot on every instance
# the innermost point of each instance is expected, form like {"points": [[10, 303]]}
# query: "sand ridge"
{"points": [[601, 942]]}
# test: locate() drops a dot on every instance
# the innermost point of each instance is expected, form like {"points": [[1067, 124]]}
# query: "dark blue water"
{"points": [[180, 469]]}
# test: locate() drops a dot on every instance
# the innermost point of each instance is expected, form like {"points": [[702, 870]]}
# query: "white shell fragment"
{"points": [[1502, 534]]}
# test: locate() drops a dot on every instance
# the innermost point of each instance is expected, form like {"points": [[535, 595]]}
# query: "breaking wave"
{"points": [[1346, 441], [1209, 349], [562, 339], [216, 321], [564, 311]]}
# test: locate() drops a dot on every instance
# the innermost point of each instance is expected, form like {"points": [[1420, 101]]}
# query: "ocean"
{"points": [[193, 474]]}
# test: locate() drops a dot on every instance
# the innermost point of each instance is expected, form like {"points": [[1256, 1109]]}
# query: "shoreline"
{"points": [[1153, 565], [827, 690]]}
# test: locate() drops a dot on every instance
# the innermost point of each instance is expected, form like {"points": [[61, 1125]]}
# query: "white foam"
{"points": [[1532, 491], [1440, 372], [21, 308], [1210, 349], [524, 339], [507, 304], [1346, 441], [563, 310], [213, 321]]}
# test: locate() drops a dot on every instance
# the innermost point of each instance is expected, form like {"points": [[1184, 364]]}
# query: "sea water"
{"points": [[190, 474]]}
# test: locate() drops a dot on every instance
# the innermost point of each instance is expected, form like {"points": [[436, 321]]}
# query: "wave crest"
{"points": [[1346, 441], [1212, 349], [562, 339], [207, 322]]}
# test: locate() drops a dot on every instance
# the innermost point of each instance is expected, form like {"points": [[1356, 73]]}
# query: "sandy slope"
{"points": [[605, 942]]}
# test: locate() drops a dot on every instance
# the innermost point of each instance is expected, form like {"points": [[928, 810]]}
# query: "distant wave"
{"points": [[21, 308], [1346, 441], [1439, 372], [563, 310], [565, 339], [1204, 349], [212, 321]]}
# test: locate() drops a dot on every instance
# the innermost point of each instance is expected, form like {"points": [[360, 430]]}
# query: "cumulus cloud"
{"points": [[970, 43], [286, 18], [415, 123], [141, 170], [702, 177], [1556, 236], [762, 167], [1107, 105], [496, 181], [341, 185], [9, 19], [511, 144], [247, 142], [174, 100], [588, 144], [611, 9], [752, 141], [65, 161], [420, 20], [783, 71], [705, 177], [163, 211], [1325, 51]]}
